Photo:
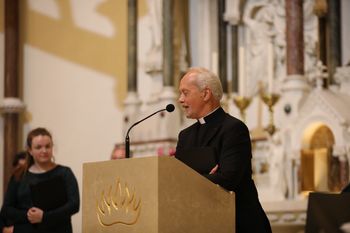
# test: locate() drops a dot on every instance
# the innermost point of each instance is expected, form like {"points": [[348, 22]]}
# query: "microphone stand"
{"points": [[127, 139]]}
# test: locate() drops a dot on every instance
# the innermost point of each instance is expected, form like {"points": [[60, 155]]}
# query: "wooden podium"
{"points": [[153, 195]]}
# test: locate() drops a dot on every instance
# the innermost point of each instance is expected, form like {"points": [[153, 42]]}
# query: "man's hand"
{"points": [[7, 229], [214, 169], [35, 215]]}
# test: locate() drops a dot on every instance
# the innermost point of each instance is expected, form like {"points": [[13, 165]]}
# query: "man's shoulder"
{"points": [[226, 118], [189, 128], [233, 122], [232, 119]]}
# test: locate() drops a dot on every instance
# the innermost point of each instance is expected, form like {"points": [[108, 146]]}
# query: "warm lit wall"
{"points": [[74, 73]]}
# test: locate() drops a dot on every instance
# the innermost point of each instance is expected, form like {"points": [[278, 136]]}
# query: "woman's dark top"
{"points": [[18, 200], [2, 224]]}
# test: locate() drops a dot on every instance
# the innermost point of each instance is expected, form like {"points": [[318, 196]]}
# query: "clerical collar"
{"points": [[202, 119]]}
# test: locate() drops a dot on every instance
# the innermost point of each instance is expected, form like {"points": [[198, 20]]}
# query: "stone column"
{"points": [[295, 37], [12, 105], [320, 9], [234, 57], [132, 45], [132, 102], [222, 44], [168, 96], [168, 51], [333, 37], [295, 88], [233, 17]]}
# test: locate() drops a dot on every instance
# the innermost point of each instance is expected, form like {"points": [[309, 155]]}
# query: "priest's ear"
{"points": [[207, 94]]}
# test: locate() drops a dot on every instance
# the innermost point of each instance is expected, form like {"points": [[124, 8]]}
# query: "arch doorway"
{"points": [[316, 170]]}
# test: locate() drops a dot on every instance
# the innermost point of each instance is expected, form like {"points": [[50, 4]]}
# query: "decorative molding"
{"points": [[342, 75], [153, 64], [289, 212], [232, 12], [12, 105], [295, 82], [318, 99]]}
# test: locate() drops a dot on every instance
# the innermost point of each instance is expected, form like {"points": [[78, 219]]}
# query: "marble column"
{"points": [[11, 105], [333, 37], [132, 102], [168, 50], [222, 44], [322, 40], [234, 57], [320, 9], [132, 45], [295, 37], [295, 88]]}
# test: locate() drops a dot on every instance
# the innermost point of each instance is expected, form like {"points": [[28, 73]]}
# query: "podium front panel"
{"points": [[111, 192], [153, 195], [191, 203]]}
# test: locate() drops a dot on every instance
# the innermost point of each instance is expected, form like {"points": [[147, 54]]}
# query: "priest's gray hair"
{"points": [[207, 79]]}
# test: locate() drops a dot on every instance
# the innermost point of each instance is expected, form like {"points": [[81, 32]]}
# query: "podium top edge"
{"points": [[133, 158]]}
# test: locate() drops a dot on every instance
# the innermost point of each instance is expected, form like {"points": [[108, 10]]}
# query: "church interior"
{"points": [[88, 70]]}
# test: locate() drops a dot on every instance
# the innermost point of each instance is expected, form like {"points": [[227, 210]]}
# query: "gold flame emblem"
{"points": [[118, 206]]}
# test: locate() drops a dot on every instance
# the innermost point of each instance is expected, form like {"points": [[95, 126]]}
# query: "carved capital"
{"points": [[342, 74], [12, 105]]}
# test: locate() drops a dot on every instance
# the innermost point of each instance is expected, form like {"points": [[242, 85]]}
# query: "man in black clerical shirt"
{"points": [[229, 140]]}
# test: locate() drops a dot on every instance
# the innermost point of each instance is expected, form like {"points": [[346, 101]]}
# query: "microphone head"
{"points": [[170, 108]]}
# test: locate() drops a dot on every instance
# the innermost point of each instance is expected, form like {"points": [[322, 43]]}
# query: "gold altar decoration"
{"points": [[242, 102], [270, 100]]}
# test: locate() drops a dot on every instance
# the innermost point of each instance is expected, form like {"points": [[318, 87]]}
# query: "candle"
{"points": [[241, 78], [270, 67]]}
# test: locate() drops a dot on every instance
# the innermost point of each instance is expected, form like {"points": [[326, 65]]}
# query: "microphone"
{"points": [[168, 108]]}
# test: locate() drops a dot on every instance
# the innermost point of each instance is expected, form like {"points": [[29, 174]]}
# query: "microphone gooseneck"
{"points": [[168, 108]]}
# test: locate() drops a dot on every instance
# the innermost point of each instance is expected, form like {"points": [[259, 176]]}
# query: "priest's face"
{"points": [[191, 97]]}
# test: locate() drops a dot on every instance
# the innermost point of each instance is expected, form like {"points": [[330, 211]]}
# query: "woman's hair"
{"points": [[18, 173], [206, 78], [17, 166], [19, 156]]}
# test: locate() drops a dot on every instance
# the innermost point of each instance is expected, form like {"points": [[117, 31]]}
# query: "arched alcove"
{"points": [[316, 158]]}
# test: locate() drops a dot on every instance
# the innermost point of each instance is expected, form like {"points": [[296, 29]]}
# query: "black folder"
{"points": [[49, 194], [327, 212], [200, 159]]}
